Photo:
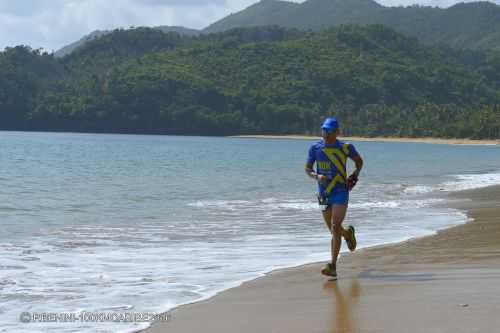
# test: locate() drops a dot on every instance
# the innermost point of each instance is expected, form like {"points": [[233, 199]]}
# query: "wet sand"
{"points": [[448, 282], [379, 139]]}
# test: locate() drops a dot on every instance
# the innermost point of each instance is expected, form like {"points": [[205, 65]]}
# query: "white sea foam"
{"points": [[471, 181], [298, 205], [419, 189], [263, 204], [460, 182], [403, 203], [376, 204], [268, 205], [224, 204]]}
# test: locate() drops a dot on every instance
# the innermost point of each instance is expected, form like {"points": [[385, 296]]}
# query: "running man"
{"points": [[330, 156]]}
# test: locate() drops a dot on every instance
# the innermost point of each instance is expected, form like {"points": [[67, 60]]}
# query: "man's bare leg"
{"points": [[334, 216], [339, 212]]}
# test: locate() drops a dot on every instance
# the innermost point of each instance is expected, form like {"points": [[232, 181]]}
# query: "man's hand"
{"points": [[310, 172], [322, 179], [352, 180]]}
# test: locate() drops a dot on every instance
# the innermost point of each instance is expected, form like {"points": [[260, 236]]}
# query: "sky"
{"points": [[52, 24]]}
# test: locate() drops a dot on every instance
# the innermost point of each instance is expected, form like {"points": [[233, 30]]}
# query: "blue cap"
{"points": [[330, 124]]}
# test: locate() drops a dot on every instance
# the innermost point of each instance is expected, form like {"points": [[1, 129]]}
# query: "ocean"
{"points": [[105, 223]]}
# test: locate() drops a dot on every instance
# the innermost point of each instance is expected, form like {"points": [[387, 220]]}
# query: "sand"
{"points": [[448, 282], [380, 139]]}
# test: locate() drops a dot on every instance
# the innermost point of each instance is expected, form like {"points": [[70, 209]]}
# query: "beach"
{"points": [[447, 282], [380, 139]]}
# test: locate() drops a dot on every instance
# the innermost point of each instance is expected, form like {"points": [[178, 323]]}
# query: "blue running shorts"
{"points": [[336, 198]]}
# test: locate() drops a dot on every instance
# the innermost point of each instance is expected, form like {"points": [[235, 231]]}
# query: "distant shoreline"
{"points": [[379, 139]]}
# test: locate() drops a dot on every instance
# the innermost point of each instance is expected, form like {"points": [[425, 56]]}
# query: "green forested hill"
{"points": [[465, 25], [260, 80], [23, 74], [68, 49]]}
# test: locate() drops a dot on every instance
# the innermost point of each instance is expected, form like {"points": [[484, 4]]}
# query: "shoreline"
{"points": [[270, 283], [430, 140], [376, 139]]}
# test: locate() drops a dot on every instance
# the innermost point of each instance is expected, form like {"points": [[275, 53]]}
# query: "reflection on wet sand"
{"points": [[345, 301]]}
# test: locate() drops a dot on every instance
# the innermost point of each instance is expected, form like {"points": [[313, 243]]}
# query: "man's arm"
{"points": [[310, 172], [358, 161], [353, 179]]}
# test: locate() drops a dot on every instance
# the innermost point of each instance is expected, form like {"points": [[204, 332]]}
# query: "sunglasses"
{"points": [[328, 131]]}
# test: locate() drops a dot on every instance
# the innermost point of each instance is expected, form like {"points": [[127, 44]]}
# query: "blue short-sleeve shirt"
{"points": [[331, 161]]}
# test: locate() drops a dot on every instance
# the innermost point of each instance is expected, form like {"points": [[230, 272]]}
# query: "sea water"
{"points": [[100, 223]]}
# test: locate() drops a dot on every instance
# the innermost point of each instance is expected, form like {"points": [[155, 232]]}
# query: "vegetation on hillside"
{"points": [[258, 80], [465, 25]]}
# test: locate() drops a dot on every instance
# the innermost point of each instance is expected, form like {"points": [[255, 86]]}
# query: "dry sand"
{"points": [[449, 282], [380, 139]]}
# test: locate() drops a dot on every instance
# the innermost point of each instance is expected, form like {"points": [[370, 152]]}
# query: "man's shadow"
{"points": [[346, 297]]}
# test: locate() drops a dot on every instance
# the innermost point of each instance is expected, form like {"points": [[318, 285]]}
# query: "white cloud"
{"points": [[52, 24]]}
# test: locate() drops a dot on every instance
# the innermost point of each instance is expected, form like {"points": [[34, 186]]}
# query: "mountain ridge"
{"points": [[68, 49], [474, 25]]}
